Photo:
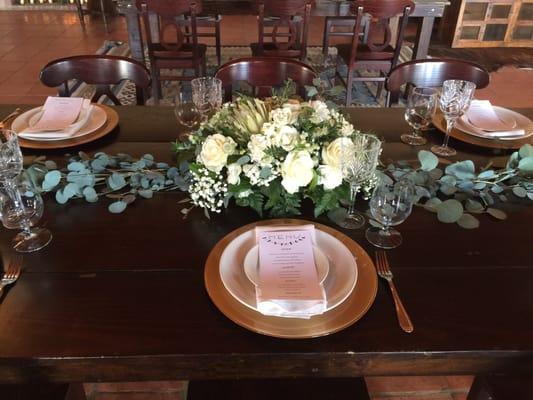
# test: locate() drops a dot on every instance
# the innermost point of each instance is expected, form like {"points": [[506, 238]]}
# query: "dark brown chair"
{"points": [[178, 52], [347, 24], [283, 26], [378, 54], [264, 73], [432, 73], [99, 70], [209, 27]]}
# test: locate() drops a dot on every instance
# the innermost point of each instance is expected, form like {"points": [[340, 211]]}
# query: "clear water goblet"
{"points": [[187, 114], [22, 208], [421, 105], [359, 159], [390, 205], [454, 100], [10, 155], [207, 94]]}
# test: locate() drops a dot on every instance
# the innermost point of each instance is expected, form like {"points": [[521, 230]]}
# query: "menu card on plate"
{"points": [[288, 279], [58, 113]]}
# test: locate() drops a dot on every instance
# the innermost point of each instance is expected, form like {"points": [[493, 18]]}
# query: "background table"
{"points": [[121, 297]]}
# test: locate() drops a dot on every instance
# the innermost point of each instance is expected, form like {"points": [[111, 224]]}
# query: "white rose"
{"points": [[287, 137], [321, 111], [347, 128], [297, 170], [234, 170], [257, 146], [330, 177], [215, 151], [282, 116], [332, 154], [295, 107]]}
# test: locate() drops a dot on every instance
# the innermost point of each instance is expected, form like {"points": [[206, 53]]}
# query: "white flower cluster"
{"points": [[207, 191]]}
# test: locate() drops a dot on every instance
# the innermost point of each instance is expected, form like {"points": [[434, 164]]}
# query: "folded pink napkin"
{"points": [[288, 281], [485, 121]]}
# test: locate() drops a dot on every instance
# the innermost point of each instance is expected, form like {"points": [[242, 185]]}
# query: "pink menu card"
{"points": [[58, 113]]}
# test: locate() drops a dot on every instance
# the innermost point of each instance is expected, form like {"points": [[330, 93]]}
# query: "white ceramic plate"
{"points": [[520, 122], [338, 284], [251, 264], [96, 120]]}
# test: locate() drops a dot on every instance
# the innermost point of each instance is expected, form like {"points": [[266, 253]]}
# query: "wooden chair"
{"points": [[432, 73], [380, 56], [501, 387], [212, 25], [263, 73], [283, 26], [331, 28], [99, 70], [178, 53]]}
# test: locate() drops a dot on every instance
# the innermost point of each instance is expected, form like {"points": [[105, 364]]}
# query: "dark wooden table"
{"points": [[425, 10], [121, 297]]}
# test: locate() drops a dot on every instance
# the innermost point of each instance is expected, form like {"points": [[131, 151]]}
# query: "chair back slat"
{"points": [[432, 73], [264, 73], [99, 70]]}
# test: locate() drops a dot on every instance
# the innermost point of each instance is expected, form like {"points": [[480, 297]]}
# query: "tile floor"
{"points": [[29, 39]]}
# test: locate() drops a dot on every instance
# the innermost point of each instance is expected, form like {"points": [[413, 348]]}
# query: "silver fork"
{"points": [[12, 273], [382, 266]]}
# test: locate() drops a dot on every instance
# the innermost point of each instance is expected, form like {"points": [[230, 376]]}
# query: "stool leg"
{"points": [[80, 15], [104, 17], [325, 39]]}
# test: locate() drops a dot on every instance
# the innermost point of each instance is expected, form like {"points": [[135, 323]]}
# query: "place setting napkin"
{"points": [[60, 118], [288, 284], [483, 118]]}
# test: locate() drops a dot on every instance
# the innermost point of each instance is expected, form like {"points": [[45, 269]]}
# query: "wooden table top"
{"points": [[121, 297]]}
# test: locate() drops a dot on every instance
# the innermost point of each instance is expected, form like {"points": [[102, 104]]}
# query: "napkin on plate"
{"points": [[482, 116], [274, 298], [35, 132]]}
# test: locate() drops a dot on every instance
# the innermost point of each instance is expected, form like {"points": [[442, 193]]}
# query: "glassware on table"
{"points": [[421, 105], [454, 100], [10, 155], [207, 94], [22, 208], [359, 159], [390, 205], [187, 115]]}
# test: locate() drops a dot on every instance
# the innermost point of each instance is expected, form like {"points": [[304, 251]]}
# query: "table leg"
{"points": [[423, 37]]}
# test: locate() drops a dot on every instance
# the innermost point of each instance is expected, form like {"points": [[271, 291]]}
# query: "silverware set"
{"points": [[383, 269], [12, 273]]}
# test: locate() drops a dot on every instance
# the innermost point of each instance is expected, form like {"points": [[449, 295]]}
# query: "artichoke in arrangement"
{"points": [[249, 117]]}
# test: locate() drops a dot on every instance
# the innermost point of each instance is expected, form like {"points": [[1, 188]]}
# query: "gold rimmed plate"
{"points": [[111, 122], [345, 314]]}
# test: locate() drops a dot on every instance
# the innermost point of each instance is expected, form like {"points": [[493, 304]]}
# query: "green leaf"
{"points": [[428, 160], [337, 215], [117, 207], [496, 189], [519, 191], [474, 206], [432, 204], [468, 221], [462, 170], [449, 211], [311, 91], [49, 164], [526, 151], [61, 197], [488, 174], [526, 164], [147, 194], [116, 181], [436, 173], [499, 214], [76, 166], [51, 180], [265, 172], [90, 194]]}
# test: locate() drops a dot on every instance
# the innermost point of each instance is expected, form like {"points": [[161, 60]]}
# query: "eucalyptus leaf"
{"points": [[473, 206], [147, 193], [129, 198], [51, 180], [449, 211], [337, 215], [90, 194], [116, 181], [496, 189], [462, 170], [428, 160], [436, 173], [519, 191], [468, 221], [117, 207], [526, 151], [488, 174], [49, 164], [76, 166], [526, 164], [499, 214], [432, 204], [243, 160]]}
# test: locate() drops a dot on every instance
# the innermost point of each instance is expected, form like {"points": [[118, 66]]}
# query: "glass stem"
{"points": [[354, 189], [449, 126], [14, 194]]}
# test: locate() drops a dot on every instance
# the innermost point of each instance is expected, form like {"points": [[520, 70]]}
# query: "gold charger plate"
{"points": [[495, 143], [110, 124], [344, 315]]}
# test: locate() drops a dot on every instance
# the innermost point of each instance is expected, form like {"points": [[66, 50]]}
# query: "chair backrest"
{"points": [[264, 73], [98, 70], [167, 24], [284, 24], [432, 73], [380, 11]]}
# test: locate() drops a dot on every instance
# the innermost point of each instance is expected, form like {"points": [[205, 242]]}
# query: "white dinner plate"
{"points": [[251, 264], [520, 122], [339, 283], [96, 120]]}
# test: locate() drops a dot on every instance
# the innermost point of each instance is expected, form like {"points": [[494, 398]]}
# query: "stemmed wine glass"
{"points": [[454, 100], [421, 105], [187, 115], [22, 207], [390, 205], [207, 94], [10, 155], [359, 159]]}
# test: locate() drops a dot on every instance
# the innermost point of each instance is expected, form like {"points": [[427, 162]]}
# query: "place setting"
{"points": [[63, 122]]}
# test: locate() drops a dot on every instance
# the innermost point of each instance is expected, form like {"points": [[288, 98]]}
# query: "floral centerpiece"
{"points": [[269, 155]]}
